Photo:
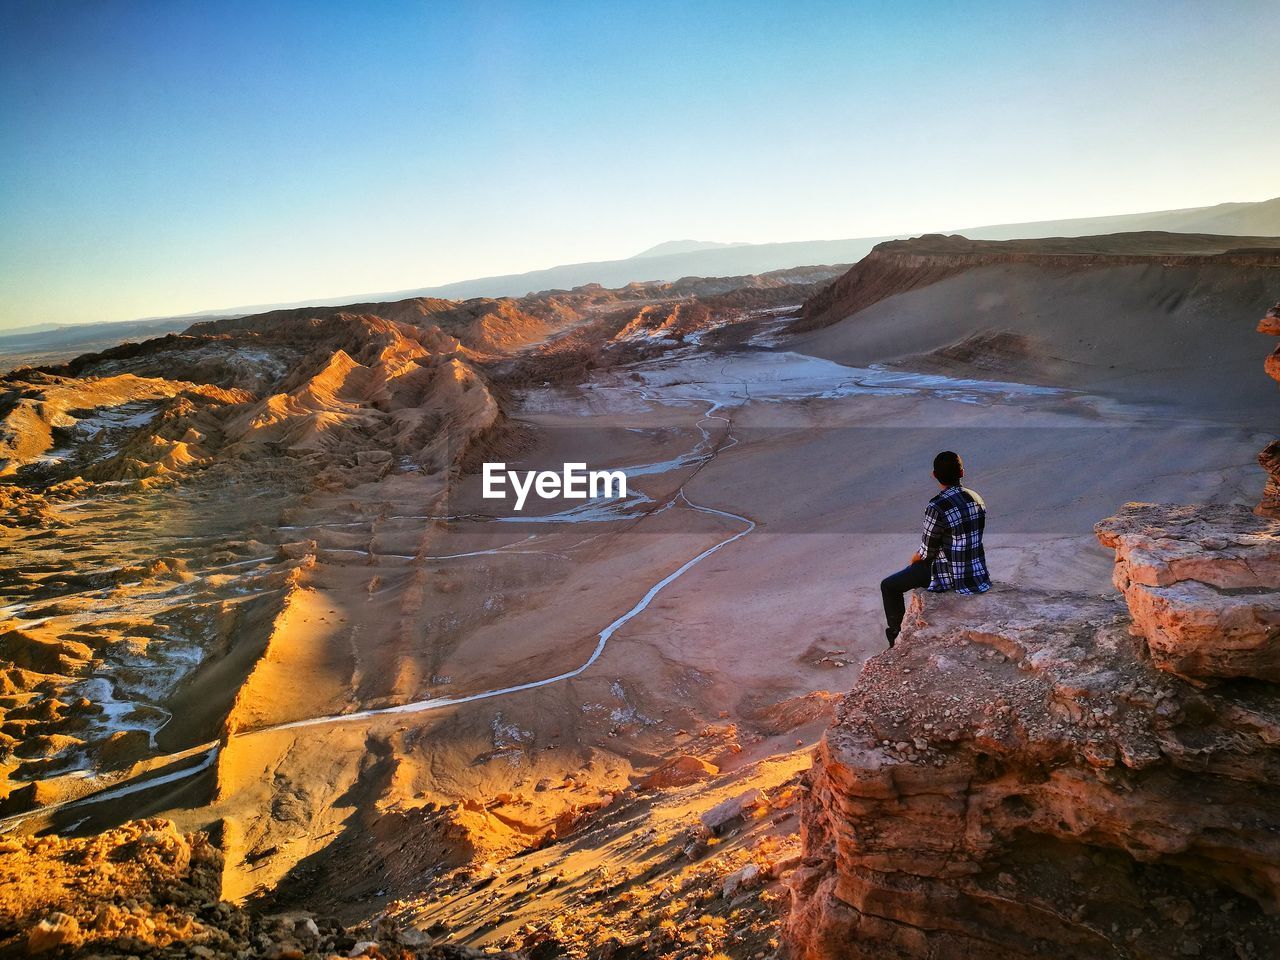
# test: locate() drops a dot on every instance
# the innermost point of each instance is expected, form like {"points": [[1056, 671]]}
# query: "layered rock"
{"points": [[1016, 778], [1203, 586], [1269, 458], [37, 410]]}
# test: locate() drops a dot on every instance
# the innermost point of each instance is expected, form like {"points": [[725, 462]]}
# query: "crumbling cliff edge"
{"points": [[1038, 774]]}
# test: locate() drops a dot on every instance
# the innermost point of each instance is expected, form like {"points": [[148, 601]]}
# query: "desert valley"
{"points": [[280, 682]]}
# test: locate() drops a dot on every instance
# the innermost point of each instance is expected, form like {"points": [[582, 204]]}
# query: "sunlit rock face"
{"points": [[1269, 458], [147, 889], [1038, 774], [1203, 587]]}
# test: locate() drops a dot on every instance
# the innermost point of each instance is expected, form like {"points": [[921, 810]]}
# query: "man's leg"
{"points": [[893, 589]]}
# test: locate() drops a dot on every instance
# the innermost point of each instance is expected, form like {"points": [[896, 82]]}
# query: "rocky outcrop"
{"points": [[1269, 458], [1270, 324], [1202, 585], [38, 410], [342, 386], [1030, 774], [60, 894], [1016, 778]]}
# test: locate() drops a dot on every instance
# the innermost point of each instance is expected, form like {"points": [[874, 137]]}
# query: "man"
{"points": [[950, 555]]}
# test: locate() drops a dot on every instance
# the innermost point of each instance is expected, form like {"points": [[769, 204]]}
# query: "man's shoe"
{"points": [[891, 634]]}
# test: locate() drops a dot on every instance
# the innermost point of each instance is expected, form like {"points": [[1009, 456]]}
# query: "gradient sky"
{"points": [[168, 157]]}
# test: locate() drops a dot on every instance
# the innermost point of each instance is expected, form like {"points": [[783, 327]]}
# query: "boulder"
{"points": [[1270, 324], [738, 880], [56, 930], [735, 808], [678, 772]]}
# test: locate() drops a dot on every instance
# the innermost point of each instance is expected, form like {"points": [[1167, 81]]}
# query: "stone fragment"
{"points": [[306, 929], [678, 772], [735, 808], [56, 930], [739, 880]]}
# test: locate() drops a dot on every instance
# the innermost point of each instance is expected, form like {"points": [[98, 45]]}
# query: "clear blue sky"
{"points": [[166, 157]]}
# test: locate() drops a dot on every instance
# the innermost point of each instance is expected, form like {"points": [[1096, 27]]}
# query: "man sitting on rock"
{"points": [[950, 555]]}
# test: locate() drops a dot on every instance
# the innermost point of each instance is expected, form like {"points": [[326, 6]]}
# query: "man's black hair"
{"points": [[948, 468]]}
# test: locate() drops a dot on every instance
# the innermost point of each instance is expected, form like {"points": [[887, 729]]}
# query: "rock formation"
{"points": [[1202, 585], [1270, 455], [896, 266], [1034, 774], [1057, 794], [409, 378], [145, 889], [38, 409]]}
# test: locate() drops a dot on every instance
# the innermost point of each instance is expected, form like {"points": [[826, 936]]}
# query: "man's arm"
{"points": [[933, 537]]}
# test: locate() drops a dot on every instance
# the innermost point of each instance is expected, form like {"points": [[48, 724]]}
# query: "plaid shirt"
{"points": [[952, 539]]}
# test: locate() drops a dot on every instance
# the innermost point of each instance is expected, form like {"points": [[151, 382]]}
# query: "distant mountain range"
{"points": [[701, 258], [675, 259], [1261, 219]]}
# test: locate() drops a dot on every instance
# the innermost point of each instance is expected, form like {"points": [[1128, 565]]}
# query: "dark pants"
{"points": [[894, 587]]}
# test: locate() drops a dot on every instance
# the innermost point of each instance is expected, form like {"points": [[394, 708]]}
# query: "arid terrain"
{"points": [[253, 598]]}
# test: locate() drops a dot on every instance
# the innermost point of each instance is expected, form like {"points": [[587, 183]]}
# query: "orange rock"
{"points": [[1271, 322], [1203, 586], [678, 772]]}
